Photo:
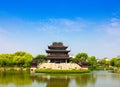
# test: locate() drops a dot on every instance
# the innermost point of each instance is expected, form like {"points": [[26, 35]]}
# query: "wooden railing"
{"points": [[57, 55]]}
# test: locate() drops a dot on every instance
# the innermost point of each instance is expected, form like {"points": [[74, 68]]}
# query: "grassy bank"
{"points": [[116, 70], [61, 71], [100, 68], [14, 69]]}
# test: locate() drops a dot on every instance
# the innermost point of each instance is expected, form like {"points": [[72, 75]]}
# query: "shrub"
{"points": [[62, 71]]}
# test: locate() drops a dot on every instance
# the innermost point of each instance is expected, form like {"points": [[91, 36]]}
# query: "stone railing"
{"points": [[61, 66]]}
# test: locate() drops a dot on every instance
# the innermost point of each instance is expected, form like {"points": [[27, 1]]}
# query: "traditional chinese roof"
{"points": [[57, 51], [57, 45]]}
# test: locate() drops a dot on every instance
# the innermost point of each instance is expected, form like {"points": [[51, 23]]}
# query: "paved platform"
{"points": [[59, 66]]}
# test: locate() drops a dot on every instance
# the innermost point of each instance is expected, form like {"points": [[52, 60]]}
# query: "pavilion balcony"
{"points": [[51, 51], [57, 55]]}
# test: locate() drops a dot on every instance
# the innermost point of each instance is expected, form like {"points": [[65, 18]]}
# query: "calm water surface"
{"points": [[93, 79]]}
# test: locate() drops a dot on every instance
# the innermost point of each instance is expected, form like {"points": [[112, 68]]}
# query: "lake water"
{"points": [[93, 79]]}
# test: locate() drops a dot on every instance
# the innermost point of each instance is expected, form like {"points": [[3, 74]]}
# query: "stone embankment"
{"points": [[59, 66]]}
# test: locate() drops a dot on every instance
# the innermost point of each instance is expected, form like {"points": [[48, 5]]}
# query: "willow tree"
{"points": [[81, 58], [22, 58], [6, 59], [92, 62], [40, 58]]}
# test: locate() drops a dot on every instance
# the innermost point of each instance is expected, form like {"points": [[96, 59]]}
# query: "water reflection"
{"points": [[52, 80], [93, 79], [64, 80], [84, 79], [58, 82], [15, 78], [105, 75]]}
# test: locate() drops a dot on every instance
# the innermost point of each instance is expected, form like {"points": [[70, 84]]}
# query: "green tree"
{"points": [[6, 59], [105, 63], [102, 62], [92, 62], [81, 58], [117, 63], [73, 60], [40, 58], [113, 61], [22, 58], [1, 61]]}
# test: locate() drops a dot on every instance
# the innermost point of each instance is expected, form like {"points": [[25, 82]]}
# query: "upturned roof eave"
{"points": [[57, 51]]}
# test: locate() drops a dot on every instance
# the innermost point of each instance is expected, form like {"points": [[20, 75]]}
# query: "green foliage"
{"points": [[62, 71], [40, 58], [73, 60], [104, 62], [81, 58], [113, 61], [18, 58], [117, 63], [12, 76], [99, 68], [22, 58], [92, 62], [6, 59], [110, 68]]}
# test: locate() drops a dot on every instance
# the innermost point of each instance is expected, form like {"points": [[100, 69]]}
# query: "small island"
{"points": [[58, 61]]}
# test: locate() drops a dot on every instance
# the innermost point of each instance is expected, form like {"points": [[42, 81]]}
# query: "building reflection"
{"points": [[58, 82], [53, 80], [81, 80]]}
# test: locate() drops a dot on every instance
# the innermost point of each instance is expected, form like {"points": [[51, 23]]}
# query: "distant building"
{"points": [[57, 53], [107, 59], [118, 56]]}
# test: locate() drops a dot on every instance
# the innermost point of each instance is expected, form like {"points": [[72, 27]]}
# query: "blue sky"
{"points": [[91, 26]]}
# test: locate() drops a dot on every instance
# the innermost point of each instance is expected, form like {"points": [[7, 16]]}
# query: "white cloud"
{"points": [[34, 36], [3, 31], [109, 40], [62, 25], [52, 25], [112, 27]]}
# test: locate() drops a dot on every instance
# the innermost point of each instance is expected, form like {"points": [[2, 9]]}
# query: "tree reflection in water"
{"points": [[81, 80], [58, 82], [23, 79], [52, 80], [15, 78], [85, 79]]}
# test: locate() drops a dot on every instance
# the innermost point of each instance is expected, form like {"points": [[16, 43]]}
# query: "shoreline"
{"points": [[14, 69], [62, 71]]}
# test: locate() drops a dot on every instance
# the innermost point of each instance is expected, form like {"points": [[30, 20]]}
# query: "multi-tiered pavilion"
{"points": [[57, 53]]}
